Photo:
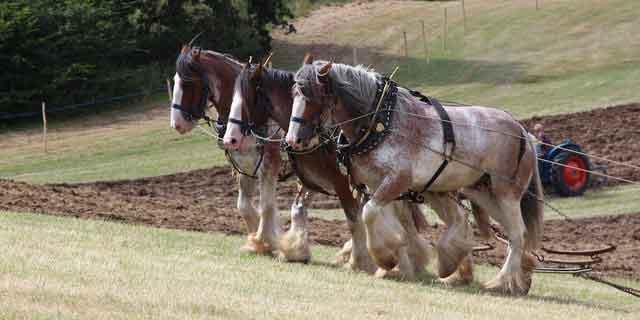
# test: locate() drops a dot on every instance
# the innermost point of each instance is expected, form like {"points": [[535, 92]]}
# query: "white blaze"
{"points": [[299, 103], [233, 129], [177, 97], [178, 122]]}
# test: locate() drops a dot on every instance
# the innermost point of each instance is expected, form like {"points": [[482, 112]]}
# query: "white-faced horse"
{"points": [[262, 94], [416, 147], [205, 77]]}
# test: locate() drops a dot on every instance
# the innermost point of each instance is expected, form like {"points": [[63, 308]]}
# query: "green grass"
{"points": [[570, 55], [67, 268], [106, 146]]}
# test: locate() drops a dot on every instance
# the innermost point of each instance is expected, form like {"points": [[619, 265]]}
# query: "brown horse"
{"points": [[261, 94], [204, 77], [413, 151]]}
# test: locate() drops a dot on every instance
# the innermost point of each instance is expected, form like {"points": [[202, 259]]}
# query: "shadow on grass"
{"points": [[476, 288], [412, 72]]}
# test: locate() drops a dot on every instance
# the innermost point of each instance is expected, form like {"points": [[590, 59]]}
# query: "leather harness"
{"points": [[449, 140]]}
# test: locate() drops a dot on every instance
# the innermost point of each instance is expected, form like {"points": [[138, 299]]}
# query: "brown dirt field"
{"points": [[611, 132], [202, 200]]}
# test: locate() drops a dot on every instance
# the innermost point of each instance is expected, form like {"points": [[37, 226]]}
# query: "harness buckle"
{"points": [[412, 196]]}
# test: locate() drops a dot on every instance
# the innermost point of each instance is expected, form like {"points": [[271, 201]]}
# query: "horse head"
{"points": [[202, 77], [312, 96]]}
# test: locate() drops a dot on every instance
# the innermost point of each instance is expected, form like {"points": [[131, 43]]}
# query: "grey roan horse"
{"points": [[489, 159]]}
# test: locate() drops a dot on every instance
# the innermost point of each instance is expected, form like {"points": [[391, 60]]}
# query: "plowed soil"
{"points": [[202, 200]]}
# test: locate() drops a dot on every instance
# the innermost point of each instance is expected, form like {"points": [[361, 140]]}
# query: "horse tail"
{"points": [[531, 206], [418, 218]]}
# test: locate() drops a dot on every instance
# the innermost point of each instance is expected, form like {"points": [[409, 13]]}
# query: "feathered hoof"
{"points": [[457, 279], [448, 261], [513, 285], [256, 246], [384, 258], [343, 256], [294, 247], [394, 274], [361, 265]]}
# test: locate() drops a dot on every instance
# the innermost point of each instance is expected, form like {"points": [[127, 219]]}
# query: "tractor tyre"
{"points": [[566, 180]]}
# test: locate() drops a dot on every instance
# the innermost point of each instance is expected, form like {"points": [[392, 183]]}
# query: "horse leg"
{"points": [[455, 245], [514, 275], [354, 255], [245, 205], [247, 187], [385, 233], [294, 245], [418, 250], [266, 238]]}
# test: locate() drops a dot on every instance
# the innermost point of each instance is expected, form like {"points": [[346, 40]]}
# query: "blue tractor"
{"points": [[562, 170]]}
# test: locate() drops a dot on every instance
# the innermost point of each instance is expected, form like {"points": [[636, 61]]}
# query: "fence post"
{"points": [[444, 31], [464, 18], [169, 90], [424, 40], [406, 48], [355, 56], [44, 126], [537, 5]]}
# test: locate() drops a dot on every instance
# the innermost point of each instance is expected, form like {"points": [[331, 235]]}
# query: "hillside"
{"points": [[570, 55]]}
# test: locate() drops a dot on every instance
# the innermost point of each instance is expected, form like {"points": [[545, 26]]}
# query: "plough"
{"points": [[578, 267]]}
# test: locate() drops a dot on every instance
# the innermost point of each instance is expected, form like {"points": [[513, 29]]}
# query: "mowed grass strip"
{"points": [[77, 269]]}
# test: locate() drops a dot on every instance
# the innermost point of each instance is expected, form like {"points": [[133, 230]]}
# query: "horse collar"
{"points": [[370, 137]]}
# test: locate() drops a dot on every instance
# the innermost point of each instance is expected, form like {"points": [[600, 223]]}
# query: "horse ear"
{"points": [[308, 58], [185, 48], [196, 54], [267, 60], [257, 72], [324, 71]]}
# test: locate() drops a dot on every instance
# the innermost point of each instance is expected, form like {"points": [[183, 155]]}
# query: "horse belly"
{"points": [[454, 176]]}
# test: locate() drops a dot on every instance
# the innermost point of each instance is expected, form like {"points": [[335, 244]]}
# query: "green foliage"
{"points": [[73, 50]]}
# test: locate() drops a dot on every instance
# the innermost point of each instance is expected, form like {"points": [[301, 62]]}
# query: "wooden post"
{"points": [[355, 56], [537, 5], [444, 31], [44, 126], [424, 40], [464, 18], [169, 90], [406, 48]]}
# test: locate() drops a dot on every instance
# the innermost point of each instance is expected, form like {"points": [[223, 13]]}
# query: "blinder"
{"points": [[199, 113]]}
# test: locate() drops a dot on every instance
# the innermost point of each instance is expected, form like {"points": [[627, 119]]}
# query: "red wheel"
{"points": [[573, 173], [570, 174]]}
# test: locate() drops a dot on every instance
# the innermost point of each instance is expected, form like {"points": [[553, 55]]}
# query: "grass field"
{"points": [[78, 269], [114, 144], [568, 56]]}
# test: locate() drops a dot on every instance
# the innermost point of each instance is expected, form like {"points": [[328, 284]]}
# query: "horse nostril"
{"points": [[299, 141], [233, 140]]}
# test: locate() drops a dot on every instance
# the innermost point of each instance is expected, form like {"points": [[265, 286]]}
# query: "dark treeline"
{"points": [[69, 51]]}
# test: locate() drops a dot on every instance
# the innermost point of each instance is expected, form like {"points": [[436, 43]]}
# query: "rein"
{"points": [[221, 128]]}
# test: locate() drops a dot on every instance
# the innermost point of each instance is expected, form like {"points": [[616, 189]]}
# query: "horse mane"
{"points": [[186, 64], [355, 86], [281, 78]]}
